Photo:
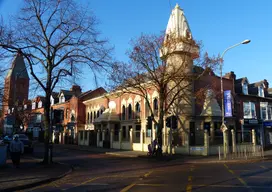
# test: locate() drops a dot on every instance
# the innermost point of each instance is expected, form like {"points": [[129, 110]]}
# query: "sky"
{"points": [[218, 24]]}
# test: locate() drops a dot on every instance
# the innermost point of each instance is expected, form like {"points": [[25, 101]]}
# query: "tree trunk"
{"points": [[161, 121], [47, 133]]}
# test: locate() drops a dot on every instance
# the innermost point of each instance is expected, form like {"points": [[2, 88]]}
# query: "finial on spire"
{"points": [[177, 6]]}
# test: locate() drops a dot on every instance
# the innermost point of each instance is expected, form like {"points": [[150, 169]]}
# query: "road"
{"points": [[100, 172]]}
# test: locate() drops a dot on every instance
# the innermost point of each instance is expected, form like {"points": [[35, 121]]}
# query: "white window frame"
{"points": [[62, 98], [269, 109], [251, 106], [264, 105], [52, 100], [40, 104], [245, 88], [261, 91], [33, 106]]}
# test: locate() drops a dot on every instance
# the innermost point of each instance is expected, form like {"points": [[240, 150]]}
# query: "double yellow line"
{"points": [[189, 186], [239, 178]]}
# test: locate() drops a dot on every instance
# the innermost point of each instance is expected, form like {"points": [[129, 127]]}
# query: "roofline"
{"points": [[249, 95]]}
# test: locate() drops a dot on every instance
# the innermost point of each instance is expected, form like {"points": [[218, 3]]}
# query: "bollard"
{"points": [[246, 152], [219, 153]]}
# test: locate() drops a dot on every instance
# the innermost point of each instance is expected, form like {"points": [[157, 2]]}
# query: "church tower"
{"points": [[179, 51], [16, 85]]}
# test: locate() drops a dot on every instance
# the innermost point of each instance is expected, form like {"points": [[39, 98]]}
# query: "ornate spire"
{"points": [[177, 24]]}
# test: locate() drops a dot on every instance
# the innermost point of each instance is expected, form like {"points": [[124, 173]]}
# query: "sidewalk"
{"points": [[87, 148], [30, 174], [178, 158]]}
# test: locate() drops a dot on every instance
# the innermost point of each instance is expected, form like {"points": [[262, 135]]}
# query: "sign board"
{"points": [[227, 103], [196, 148], [267, 124], [252, 121]]}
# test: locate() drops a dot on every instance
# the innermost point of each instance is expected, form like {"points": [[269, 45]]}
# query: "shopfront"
{"points": [[267, 125], [247, 125]]}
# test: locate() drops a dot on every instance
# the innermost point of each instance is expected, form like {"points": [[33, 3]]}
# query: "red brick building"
{"points": [[15, 93]]}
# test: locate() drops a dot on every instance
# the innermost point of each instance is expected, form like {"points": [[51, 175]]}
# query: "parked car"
{"points": [[7, 139], [1, 140], [28, 147], [27, 142]]}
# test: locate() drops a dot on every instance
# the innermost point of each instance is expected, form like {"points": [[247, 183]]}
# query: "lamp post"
{"points": [[223, 126]]}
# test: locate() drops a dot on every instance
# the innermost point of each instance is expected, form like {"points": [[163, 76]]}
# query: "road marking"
{"points": [[189, 188], [147, 174], [128, 187], [90, 180], [262, 166], [83, 183], [189, 184], [238, 177]]}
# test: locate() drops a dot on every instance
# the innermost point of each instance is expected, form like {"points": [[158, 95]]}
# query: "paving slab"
{"points": [[31, 173]]}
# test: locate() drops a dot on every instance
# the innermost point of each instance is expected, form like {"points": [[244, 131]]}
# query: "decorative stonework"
{"points": [[178, 24], [178, 36], [211, 106]]}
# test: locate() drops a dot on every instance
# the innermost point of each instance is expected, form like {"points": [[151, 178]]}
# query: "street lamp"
{"points": [[221, 77], [223, 126]]}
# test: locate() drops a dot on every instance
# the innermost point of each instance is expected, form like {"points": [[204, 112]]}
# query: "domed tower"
{"points": [[179, 51]]}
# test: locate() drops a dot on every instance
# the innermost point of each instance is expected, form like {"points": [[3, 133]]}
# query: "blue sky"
{"points": [[218, 24]]}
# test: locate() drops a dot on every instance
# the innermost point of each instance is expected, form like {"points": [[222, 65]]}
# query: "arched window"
{"points": [[91, 117], [101, 111], [123, 112], [88, 118], [147, 110], [129, 111], [138, 110], [73, 118], [155, 107], [97, 113], [94, 115]]}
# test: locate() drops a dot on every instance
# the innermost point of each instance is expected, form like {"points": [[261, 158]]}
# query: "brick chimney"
{"points": [[230, 75], [266, 84], [76, 89]]}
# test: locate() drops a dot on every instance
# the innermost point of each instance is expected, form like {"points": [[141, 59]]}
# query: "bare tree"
{"points": [[150, 69], [56, 39]]}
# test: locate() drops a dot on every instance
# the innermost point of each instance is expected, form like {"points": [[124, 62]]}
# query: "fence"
{"points": [[241, 152]]}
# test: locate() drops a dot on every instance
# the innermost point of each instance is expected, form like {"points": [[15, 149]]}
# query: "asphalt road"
{"points": [[100, 172]]}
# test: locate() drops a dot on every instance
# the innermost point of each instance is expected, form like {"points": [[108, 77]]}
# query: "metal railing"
{"points": [[241, 151]]}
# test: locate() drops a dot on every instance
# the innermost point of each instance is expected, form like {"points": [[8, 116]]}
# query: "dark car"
{"points": [[7, 139], [27, 142]]}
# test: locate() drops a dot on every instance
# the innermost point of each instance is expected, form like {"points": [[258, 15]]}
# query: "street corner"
{"points": [[31, 175]]}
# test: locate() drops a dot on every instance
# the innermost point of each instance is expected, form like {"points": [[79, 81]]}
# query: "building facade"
{"points": [[15, 94]]}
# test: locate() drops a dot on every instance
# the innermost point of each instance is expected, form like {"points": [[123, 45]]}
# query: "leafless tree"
{"points": [[56, 38], [149, 69]]}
